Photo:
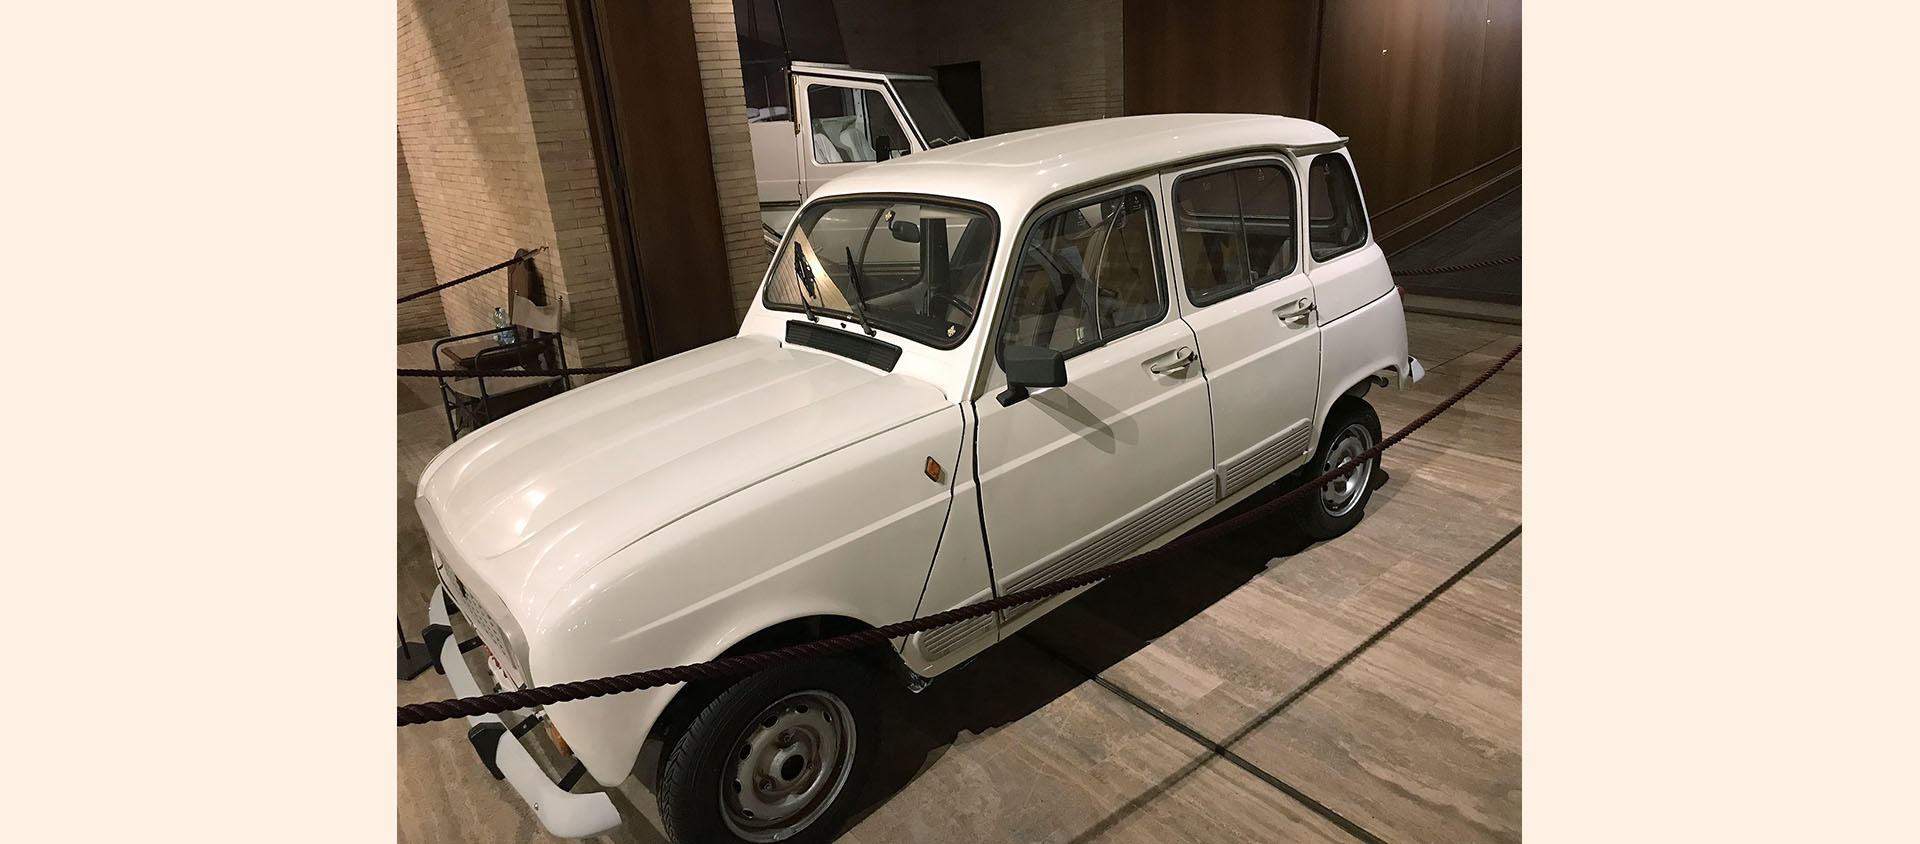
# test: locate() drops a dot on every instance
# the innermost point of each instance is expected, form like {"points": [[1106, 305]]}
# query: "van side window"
{"points": [[1336, 222], [1087, 275], [1235, 228], [852, 124]]}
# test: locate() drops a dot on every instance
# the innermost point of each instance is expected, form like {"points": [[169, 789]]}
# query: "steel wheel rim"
{"points": [[1343, 494], [789, 765]]}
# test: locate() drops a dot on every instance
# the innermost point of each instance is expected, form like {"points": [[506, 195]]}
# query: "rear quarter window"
{"points": [[1336, 221]]}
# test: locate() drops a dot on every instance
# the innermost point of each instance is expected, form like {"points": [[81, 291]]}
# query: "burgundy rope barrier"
{"points": [[473, 275], [1457, 268]]}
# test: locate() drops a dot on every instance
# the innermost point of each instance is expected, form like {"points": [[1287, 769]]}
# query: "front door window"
{"points": [[1087, 275], [852, 125]]}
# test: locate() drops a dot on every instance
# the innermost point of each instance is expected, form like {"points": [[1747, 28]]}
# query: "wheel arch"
{"points": [[1352, 386], [1355, 347], [690, 698]]}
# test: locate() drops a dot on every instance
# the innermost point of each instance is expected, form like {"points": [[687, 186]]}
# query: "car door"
{"points": [[1077, 476], [850, 125], [1252, 310]]}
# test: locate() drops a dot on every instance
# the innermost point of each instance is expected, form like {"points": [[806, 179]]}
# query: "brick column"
{"points": [[424, 318], [594, 325], [716, 41], [495, 143]]}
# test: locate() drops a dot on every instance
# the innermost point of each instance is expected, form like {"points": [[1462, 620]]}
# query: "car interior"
{"points": [[1087, 275], [851, 125], [1235, 230]]}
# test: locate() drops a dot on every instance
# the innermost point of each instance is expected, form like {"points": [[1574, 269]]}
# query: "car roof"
{"points": [[850, 72], [1014, 171]]}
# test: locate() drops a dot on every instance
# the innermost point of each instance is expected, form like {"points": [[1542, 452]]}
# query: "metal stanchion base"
{"points": [[414, 658]]}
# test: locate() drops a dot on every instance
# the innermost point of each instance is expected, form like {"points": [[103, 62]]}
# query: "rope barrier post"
{"points": [[414, 656]]}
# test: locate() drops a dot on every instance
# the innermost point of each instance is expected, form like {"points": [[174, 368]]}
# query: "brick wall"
{"points": [[583, 264], [495, 142], [1040, 63], [715, 40], [423, 318], [879, 35]]}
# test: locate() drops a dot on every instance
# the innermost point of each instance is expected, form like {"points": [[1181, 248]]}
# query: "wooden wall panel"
{"points": [[1218, 55], [1429, 90], [1500, 78]]}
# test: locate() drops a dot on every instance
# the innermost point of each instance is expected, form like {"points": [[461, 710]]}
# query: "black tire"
{"points": [[1350, 422], [717, 741]]}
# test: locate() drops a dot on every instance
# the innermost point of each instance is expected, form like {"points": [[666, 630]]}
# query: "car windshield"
{"points": [[921, 266], [929, 112]]}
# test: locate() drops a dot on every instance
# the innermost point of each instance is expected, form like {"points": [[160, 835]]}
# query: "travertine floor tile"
{"points": [[1215, 801], [1218, 637], [1077, 755], [1435, 340], [1419, 738]]}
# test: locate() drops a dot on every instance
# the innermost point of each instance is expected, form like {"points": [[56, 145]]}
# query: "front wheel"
{"points": [[778, 756], [1352, 428]]}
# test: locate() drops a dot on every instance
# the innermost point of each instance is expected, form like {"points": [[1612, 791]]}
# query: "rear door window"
{"points": [[1235, 228]]}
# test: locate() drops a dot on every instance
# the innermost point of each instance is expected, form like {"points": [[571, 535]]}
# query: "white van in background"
{"points": [[848, 119]]}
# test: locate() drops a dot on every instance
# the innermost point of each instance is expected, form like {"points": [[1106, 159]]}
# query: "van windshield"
{"points": [[921, 266], [929, 112]]}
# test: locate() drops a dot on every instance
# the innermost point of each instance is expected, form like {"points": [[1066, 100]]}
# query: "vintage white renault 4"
{"points": [[969, 371]]}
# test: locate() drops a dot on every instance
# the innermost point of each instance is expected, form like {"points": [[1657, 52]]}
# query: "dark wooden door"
{"points": [[641, 78], [960, 84]]}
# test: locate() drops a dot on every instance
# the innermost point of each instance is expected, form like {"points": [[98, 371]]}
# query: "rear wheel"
{"points": [[1352, 428], [776, 757]]}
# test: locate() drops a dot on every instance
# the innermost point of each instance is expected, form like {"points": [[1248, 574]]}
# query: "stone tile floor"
{"points": [[1264, 689]]}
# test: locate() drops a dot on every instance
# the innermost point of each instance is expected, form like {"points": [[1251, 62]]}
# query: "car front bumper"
{"points": [[514, 748]]}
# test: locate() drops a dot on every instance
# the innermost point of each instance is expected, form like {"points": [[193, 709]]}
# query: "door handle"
{"points": [[1298, 310], [1181, 360]]}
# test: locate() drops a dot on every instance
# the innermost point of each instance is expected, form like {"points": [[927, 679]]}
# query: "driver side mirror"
{"points": [[1029, 367], [883, 148]]}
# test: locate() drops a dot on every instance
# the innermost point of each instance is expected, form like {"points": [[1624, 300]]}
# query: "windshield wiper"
{"points": [[859, 298], [805, 274]]}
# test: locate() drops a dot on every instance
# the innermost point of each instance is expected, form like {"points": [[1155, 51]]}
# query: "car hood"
{"points": [[535, 499]]}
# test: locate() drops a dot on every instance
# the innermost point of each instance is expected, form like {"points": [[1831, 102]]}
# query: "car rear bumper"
{"points": [[513, 747]]}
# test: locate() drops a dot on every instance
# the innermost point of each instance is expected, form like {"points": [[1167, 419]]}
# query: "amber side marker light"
{"points": [[558, 742], [933, 469]]}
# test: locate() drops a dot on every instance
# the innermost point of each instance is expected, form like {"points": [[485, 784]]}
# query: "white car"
{"points": [[969, 371]]}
